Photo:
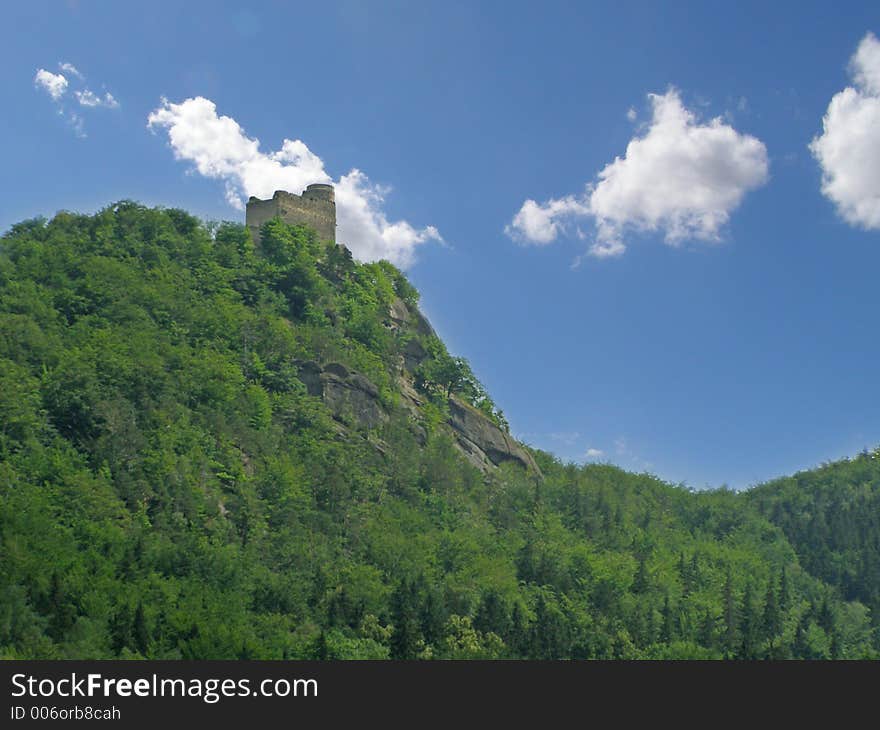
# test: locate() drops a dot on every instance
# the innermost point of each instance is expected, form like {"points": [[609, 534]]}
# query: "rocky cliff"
{"points": [[354, 400], [350, 396], [482, 442]]}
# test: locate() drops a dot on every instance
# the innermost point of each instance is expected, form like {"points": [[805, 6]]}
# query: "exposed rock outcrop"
{"points": [[399, 313], [484, 443], [349, 395], [354, 400], [422, 325], [414, 354], [404, 318]]}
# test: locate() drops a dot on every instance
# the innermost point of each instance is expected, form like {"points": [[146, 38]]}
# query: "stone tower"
{"points": [[316, 208]]}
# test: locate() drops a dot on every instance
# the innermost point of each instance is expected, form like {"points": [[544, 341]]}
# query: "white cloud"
{"points": [[848, 150], [89, 98], [865, 64], [220, 149], [55, 85], [364, 228], [593, 453], [681, 177], [631, 114], [71, 69], [540, 223]]}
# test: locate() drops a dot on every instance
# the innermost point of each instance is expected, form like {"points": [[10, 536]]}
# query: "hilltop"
{"points": [[213, 449]]}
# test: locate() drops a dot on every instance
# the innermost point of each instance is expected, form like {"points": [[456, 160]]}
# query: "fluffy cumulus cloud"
{"points": [[680, 177], [56, 85], [218, 148], [848, 150], [540, 223]]}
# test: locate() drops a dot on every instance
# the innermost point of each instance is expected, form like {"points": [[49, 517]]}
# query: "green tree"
{"points": [[784, 592], [179, 421], [730, 618], [492, 615], [772, 620], [640, 582], [667, 632], [406, 641], [140, 632], [442, 373], [749, 625], [707, 629]]}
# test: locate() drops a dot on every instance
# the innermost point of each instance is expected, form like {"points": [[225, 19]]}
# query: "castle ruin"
{"points": [[316, 208]]}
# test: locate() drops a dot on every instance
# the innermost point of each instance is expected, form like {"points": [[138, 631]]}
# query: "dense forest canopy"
{"points": [[171, 488]]}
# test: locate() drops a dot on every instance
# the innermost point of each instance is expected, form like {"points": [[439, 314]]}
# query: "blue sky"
{"points": [[732, 335]]}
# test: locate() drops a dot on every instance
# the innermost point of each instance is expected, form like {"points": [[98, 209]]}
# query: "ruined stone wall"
{"points": [[313, 212], [315, 208], [258, 212]]}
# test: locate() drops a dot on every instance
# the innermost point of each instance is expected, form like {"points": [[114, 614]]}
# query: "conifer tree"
{"points": [[771, 623], [707, 630], [651, 625], [668, 627], [825, 617], [492, 615], [120, 628], [784, 592], [695, 572], [519, 632], [140, 633], [729, 618], [836, 647], [640, 583], [406, 637], [683, 574], [748, 625], [62, 612], [801, 647], [433, 616], [321, 651]]}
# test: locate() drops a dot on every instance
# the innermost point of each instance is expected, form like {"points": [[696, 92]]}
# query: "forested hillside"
{"points": [[832, 517], [214, 450]]}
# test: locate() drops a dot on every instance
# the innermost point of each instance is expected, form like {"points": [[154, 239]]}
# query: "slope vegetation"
{"points": [[214, 450]]}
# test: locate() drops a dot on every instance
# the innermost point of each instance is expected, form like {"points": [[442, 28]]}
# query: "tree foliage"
{"points": [[169, 489]]}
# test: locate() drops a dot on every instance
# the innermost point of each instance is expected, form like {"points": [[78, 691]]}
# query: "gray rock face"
{"points": [[354, 400], [399, 313], [422, 325], [484, 444], [349, 396], [403, 318], [414, 354]]}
